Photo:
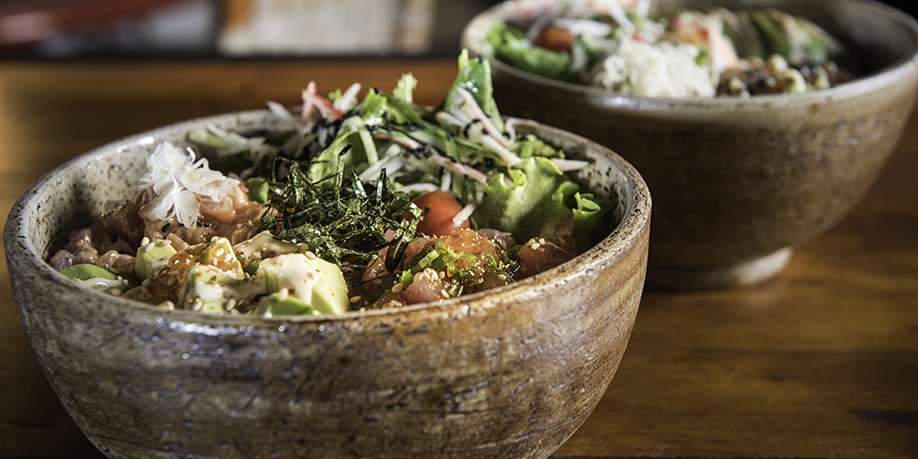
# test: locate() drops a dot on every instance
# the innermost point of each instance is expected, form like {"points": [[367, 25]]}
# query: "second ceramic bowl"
{"points": [[737, 183]]}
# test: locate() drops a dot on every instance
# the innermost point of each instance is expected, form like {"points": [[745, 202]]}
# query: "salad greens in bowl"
{"points": [[351, 279], [349, 204], [622, 46], [816, 95]]}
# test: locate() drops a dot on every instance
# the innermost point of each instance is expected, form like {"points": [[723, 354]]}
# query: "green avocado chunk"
{"points": [[207, 289], [87, 271], [314, 282], [258, 189], [151, 257], [275, 305]]}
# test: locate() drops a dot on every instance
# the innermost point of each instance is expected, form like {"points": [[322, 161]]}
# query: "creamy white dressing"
{"points": [[293, 273]]}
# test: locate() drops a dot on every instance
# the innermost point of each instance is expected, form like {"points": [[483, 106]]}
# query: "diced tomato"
{"points": [[439, 208], [556, 39]]}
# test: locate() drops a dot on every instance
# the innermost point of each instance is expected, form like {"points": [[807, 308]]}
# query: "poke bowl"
{"points": [[510, 371], [738, 182]]}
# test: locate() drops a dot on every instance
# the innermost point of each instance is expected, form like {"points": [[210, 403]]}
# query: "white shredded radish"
{"points": [[641, 7], [506, 155], [568, 165], [538, 26], [402, 140], [510, 127], [579, 58], [178, 181], [463, 214], [348, 100], [391, 164], [618, 13], [459, 168], [449, 119], [472, 105], [446, 180], [586, 27], [420, 188], [279, 110]]}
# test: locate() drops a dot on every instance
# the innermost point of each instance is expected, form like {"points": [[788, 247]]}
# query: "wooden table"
{"points": [[822, 362]]}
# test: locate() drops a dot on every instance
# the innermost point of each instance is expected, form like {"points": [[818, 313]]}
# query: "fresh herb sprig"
{"points": [[346, 223]]}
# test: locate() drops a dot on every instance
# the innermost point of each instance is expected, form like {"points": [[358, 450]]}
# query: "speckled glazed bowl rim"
{"points": [[473, 38], [23, 255]]}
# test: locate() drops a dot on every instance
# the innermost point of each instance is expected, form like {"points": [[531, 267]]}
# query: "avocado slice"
{"points": [[207, 289], [152, 257], [95, 277], [260, 246], [86, 271], [278, 305], [307, 278]]}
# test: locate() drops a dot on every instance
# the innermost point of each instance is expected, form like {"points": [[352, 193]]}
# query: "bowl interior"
{"points": [[71, 195]]}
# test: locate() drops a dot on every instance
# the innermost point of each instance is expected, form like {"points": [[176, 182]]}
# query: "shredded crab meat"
{"points": [[313, 101], [459, 168], [179, 182], [405, 141], [348, 100]]}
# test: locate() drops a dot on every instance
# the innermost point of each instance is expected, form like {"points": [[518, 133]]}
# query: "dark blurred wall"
{"points": [[909, 6]]}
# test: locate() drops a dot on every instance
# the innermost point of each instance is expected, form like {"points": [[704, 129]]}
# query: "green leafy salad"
{"points": [[342, 205], [619, 45]]}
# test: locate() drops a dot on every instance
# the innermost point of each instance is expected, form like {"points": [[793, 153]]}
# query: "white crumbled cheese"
{"points": [[656, 70], [179, 182]]}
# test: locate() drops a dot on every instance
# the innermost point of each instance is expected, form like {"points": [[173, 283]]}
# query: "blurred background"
{"points": [[139, 29], [68, 29]]}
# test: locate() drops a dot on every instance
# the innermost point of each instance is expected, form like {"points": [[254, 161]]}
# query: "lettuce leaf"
{"points": [[536, 199], [475, 76], [373, 107], [332, 161], [405, 88], [531, 145], [527, 200], [588, 217], [511, 46]]}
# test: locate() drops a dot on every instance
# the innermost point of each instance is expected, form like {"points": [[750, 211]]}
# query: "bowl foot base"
{"points": [[718, 278]]}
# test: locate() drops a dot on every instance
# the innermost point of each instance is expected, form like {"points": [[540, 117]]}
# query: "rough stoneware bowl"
{"points": [[738, 182], [511, 372]]}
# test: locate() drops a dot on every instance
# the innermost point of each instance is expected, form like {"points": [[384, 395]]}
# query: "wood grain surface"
{"points": [[821, 362]]}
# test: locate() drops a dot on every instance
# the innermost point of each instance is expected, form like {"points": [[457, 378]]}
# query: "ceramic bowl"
{"points": [[737, 183], [510, 372]]}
